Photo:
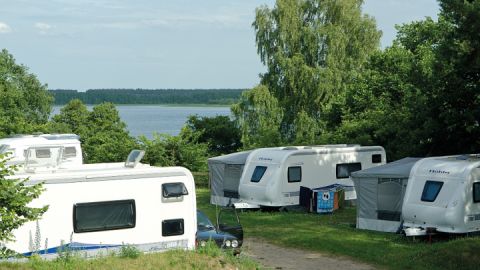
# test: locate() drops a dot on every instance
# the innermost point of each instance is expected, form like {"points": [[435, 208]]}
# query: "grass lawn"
{"points": [[203, 259], [336, 235]]}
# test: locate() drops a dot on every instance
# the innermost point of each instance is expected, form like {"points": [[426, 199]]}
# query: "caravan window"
{"points": [[174, 190], [258, 173], [172, 227], [377, 158], [70, 152], [3, 148], [344, 170], [42, 153], [294, 174], [476, 192], [431, 190], [103, 216]]}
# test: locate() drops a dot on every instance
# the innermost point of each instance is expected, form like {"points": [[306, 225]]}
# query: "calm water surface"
{"points": [[146, 119]]}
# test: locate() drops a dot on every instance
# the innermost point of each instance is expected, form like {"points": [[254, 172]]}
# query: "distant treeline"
{"points": [[144, 96]]}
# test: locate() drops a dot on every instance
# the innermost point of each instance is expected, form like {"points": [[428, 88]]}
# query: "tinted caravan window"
{"points": [[431, 190], [294, 174], [344, 170], [377, 158], [174, 190], [69, 152], [42, 153], [172, 227], [476, 192], [103, 216], [258, 173]]}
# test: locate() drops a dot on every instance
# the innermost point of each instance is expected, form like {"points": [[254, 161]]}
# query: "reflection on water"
{"points": [[145, 120]]}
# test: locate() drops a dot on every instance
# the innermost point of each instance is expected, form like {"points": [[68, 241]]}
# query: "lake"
{"points": [[147, 119]]}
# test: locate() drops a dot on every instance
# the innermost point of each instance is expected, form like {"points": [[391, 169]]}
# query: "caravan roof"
{"points": [[99, 172], [279, 154], [39, 140], [448, 166], [234, 158], [397, 169]]}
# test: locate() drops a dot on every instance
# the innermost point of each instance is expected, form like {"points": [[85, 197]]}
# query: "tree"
{"points": [[455, 98], [103, 134], [15, 195], [313, 50], [221, 133], [182, 150], [25, 103], [421, 95], [73, 117], [259, 116]]}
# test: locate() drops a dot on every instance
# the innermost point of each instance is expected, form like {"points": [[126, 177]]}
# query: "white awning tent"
{"points": [[224, 175], [380, 192]]}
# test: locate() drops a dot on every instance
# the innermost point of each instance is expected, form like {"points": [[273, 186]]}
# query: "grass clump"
{"points": [[129, 251]]}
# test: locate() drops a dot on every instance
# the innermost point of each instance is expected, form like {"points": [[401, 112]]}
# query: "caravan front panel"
{"points": [[441, 195]]}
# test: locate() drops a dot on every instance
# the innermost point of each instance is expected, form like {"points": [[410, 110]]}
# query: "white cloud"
{"points": [[5, 28], [43, 27]]}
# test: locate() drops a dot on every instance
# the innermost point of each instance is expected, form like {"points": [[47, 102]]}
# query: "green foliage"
{"points": [[15, 196], [172, 260], [182, 150], [25, 103], [211, 249], [146, 96], [129, 251], [65, 255], [313, 51], [259, 116], [221, 133], [420, 96], [103, 134]]}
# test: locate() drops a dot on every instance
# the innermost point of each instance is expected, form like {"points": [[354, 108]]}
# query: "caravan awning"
{"points": [[397, 169]]}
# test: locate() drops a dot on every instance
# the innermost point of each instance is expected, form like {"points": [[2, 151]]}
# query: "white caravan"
{"points": [[272, 176], [99, 207], [443, 194], [18, 146]]}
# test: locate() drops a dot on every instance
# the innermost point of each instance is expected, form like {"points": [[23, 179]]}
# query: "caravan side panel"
{"points": [[287, 170], [152, 210]]}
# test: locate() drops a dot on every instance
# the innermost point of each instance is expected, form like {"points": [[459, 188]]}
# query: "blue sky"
{"points": [[83, 44]]}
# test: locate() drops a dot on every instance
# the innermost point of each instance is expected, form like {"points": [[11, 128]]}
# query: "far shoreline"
{"points": [[159, 105]]}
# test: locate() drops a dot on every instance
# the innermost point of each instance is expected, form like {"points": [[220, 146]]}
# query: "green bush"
{"points": [[129, 251]]}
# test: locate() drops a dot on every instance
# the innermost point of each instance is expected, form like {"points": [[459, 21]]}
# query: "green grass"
{"points": [[206, 258], [336, 235]]}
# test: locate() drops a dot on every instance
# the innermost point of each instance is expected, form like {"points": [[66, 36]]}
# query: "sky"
{"points": [[154, 44]]}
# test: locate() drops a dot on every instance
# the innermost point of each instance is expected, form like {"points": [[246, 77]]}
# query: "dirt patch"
{"points": [[276, 257]]}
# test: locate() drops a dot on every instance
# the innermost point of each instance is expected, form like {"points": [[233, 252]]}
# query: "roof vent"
{"points": [[290, 148], [134, 158]]}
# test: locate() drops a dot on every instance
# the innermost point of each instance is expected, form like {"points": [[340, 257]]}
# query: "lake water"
{"points": [[147, 119]]}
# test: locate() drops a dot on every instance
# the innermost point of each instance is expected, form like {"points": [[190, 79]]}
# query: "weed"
{"points": [[129, 251], [210, 248]]}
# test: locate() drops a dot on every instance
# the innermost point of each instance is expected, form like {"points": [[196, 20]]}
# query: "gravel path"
{"points": [[275, 257]]}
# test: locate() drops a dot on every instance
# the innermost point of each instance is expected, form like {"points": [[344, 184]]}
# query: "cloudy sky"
{"points": [[83, 44]]}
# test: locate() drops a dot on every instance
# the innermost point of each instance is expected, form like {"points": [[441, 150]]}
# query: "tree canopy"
{"points": [[219, 132], [313, 50], [25, 103], [420, 96], [103, 134]]}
